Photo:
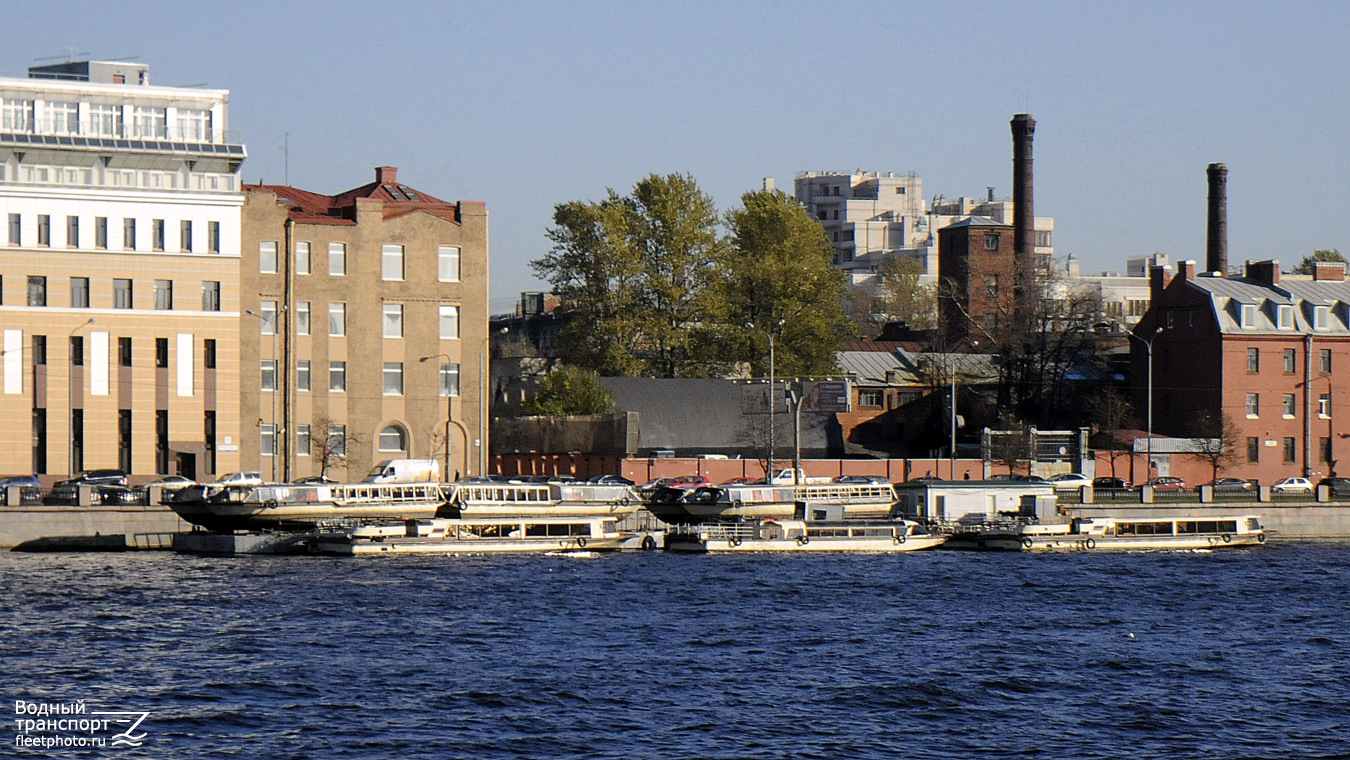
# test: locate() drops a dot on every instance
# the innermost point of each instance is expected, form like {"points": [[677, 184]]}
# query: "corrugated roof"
{"points": [[1228, 295]]}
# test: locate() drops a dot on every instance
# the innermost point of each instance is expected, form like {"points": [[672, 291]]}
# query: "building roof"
{"points": [[1303, 296], [976, 221], [909, 368], [398, 199]]}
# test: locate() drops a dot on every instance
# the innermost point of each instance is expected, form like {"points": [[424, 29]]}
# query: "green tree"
{"points": [[1322, 254], [900, 295], [777, 276], [570, 390], [639, 273]]}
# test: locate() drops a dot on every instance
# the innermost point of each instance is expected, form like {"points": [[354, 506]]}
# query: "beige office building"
{"points": [[365, 321], [119, 272]]}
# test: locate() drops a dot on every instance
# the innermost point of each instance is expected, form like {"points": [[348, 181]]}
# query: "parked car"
{"points": [[30, 490], [1337, 486], [1111, 484], [1293, 485], [651, 487], [108, 487], [743, 482], [1070, 481], [862, 480], [610, 480], [1233, 484], [246, 478], [316, 480], [1012, 477], [168, 485], [1168, 485], [689, 482]]}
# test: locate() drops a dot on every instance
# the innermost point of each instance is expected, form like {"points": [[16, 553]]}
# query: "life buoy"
{"points": [[900, 538], [734, 542], [625, 501], [1260, 538], [1026, 542], [1091, 543], [648, 543], [581, 542], [803, 540], [1227, 539]]}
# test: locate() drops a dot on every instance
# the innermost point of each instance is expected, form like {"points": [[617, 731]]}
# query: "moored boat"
{"points": [[1126, 534], [494, 499], [287, 506], [745, 502], [482, 536], [803, 536]]}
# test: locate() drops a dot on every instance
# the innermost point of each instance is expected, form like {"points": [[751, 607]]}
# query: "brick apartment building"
{"points": [[1271, 354], [976, 268]]}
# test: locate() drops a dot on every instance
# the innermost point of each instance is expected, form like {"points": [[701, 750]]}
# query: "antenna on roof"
{"points": [[286, 156], [68, 57]]}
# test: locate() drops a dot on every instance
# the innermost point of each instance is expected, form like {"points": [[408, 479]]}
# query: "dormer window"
{"points": [[1284, 314], [1321, 317], [1248, 316]]}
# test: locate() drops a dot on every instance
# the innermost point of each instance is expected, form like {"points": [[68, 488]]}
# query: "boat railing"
{"points": [[717, 531]]}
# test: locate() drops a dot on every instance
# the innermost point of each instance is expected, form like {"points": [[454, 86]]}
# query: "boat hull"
{"points": [[291, 508], [695, 544], [410, 545], [1072, 543]]}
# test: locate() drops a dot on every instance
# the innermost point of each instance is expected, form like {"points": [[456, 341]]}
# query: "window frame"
{"points": [[392, 379], [337, 319], [337, 259], [392, 267], [447, 253], [391, 320], [444, 312]]}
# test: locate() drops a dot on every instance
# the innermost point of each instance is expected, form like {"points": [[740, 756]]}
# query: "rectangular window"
{"points": [[1324, 360], [337, 439], [210, 295], [1284, 313], [79, 292], [1324, 406], [40, 441], [15, 229], [100, 232], [302, 375], [447, 260], [391, 262], [163, 295], [267, 257], [302, 324], [269, 374], [1324, 450], [991, 241], [129, 234], [1248, 316], [337, 376], [337, 319], [122, 294], [124, 352], [124, 439], [161, 443], [209, 353], [213, 237], [1254, 360], [302, 440], [185, 235], [39, 349], [77, 350], [1253, 405], [268, 442], [44, 229], [72, 232], [157, 234], [1289, 406], [337, 259], [37, 291], [268, 317], [1253, 449], [209, 434], [393, 320], [302, 264], [1290, 451], [871, 398], [1290, 360], [449, 322], [393, 378], [1321, 316], [449, 380], [76, 440], [162, 353], [991, 284]]}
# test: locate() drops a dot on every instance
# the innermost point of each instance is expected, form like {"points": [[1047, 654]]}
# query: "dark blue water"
{"points": [[1241, 654]]}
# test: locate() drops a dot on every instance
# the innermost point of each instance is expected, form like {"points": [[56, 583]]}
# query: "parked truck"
{"points": [[786, 478], [404, 471]]}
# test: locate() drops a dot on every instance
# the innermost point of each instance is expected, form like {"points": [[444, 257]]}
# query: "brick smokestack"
{"points": [[1216, 238], [1024, 210]]}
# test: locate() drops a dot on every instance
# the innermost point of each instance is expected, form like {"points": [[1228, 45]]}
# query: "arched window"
{"points": [[393, 438]]}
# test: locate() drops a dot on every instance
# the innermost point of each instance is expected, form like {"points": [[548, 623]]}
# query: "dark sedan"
{"points": [[1110, 484]]}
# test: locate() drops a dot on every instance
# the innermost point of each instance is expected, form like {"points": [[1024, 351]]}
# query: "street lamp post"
{"points": [[276, 371], [448, 399], [1148, 445], [773, 400]]}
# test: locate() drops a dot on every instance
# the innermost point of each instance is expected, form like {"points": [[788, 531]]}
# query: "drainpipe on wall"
{"points": [[1307, 405], [283, 435]]}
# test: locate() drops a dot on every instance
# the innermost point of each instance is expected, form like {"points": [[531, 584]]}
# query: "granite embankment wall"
{"points": [[28, 523]]}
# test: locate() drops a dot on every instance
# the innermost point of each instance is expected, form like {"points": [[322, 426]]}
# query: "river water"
{"points": [[1239, 654]]}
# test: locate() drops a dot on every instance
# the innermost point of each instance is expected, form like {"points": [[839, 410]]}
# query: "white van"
{"points": [[404, 471]]}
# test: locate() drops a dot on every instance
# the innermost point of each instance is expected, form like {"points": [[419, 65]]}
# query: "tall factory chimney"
{"points": [[1216, 238], [1024, 211]]}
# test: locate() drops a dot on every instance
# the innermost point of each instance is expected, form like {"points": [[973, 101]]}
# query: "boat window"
{"points": [[1253, 524], [536, 529], [1228, 526]]}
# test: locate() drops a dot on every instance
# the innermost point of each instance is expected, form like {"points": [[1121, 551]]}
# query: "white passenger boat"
{"points": [[285, 506], [746, 502], [1142, 533], [473, 500], [803, 536], [482, 536]]}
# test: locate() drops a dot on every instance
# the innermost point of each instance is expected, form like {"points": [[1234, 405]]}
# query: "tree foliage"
{"points": [[1322, 254], [900, 295], [569, 390], [1218, 439]]}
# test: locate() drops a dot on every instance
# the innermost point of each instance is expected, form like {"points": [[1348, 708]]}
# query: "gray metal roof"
{"points": [[1229, 295], [870, 367]]}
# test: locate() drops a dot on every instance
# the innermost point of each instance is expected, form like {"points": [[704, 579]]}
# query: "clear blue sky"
{"points": [[524, 105]]}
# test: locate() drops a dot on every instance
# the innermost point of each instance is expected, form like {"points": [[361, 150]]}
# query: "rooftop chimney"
{"points": [[1216, 241], [1158, 278], [386, 175], [1266, 272], [1333, 271], [1024, 212]]}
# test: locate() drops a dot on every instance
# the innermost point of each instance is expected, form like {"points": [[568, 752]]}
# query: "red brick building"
{"points": [[1271, 355], [976, 271]]}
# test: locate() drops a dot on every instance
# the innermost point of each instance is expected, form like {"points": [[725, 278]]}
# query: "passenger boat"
{"points": [[474, 500], [745, 502], [482, 536], [1125, 534], [803, 536], [286, 506]]}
